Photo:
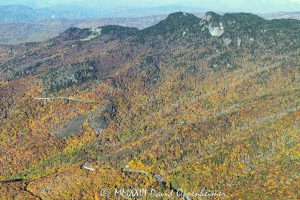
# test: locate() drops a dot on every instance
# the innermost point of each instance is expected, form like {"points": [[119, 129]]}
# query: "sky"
{"points": [[227, 5]]}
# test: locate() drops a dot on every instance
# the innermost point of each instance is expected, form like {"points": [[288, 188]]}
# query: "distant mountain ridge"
{"points": [[16, 33], [282, 15], [26, 14]]}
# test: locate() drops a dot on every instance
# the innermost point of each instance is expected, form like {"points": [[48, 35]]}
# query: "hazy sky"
{"points": [[238, 5]]}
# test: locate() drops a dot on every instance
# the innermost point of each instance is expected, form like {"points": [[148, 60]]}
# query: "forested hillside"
{"points": [[186, 104]]}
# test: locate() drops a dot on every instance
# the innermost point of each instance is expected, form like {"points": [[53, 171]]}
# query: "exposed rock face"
{"points": [[66, 76], [71, 128], [111, 109], [213, 24], [227, 41], [95, 32], [239, 42], [99, 124], [216, 31], [207, 17], [211, 17], [100, 121]]}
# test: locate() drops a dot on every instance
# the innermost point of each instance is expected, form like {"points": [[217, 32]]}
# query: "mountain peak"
{"points": [[73, 33], [244, 17], [213, 23], [181, 17], [174, 21], [236, 23], [211, 16]]}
